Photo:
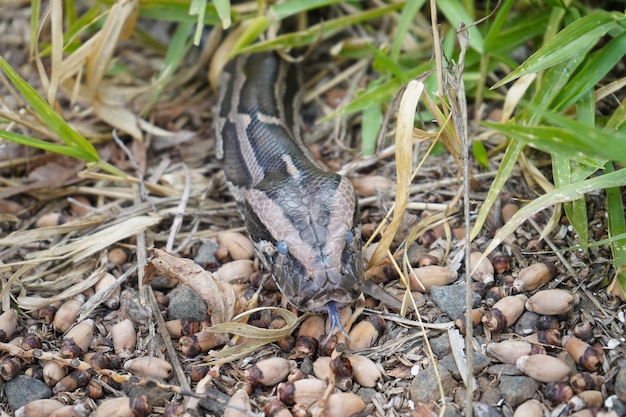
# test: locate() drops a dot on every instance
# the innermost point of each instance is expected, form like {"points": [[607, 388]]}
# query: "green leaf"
{"points": [[406, 20], [49, 116], [557, 196], [289, 8], [480, 154], [580, 34], [372, 121], [601, 63], [46, 146], [319, 31]]}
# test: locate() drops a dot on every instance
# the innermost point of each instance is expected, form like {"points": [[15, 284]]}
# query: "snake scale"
{"points": [[303, 221]]}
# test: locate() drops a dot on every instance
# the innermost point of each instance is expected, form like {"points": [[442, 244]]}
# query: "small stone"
{"points": [[525, 325], [425, 386], [440, 345], [205, 256], [517, 389], [158, 396], [23, 389], [489, 393], [451, 299], [367, 394], [485, 410], [186, 303], [480, 363]]}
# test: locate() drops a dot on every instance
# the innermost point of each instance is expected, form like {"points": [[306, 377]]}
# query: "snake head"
{"points": [[306, 230]]}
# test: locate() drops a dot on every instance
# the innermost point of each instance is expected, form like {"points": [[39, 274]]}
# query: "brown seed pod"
{"points": [[124, 338], [47, 313], [275, 408], [116, 257], [366, 372], [53, 219], [370, 185], [530, 408], [81, 336], [31, 341], [104, 284], [10, 367], [149, 366], [545, 337], [94, 390], [53, 372], [313, 327], [200, 342], [481, 268], [552, 302], [493, 295], [557, 392], [504, 313], [584, 331], [547, 323], [423, 279], [8, 324], [67, 314], [238, 405], [533, 277], [585, 399], [182, 327], [365, 333], [582, 353], [238, 271], [501, 263], [342, 404], [237, 244], [305, 346], [584, 381], [269, 372], [543, 368], [427, 260], [461, 323], [509, 351], [39, 408], [70, 383], [508, 210], [124, 407], [341, 368], [321, 368], [78, 410], [303, 391]]}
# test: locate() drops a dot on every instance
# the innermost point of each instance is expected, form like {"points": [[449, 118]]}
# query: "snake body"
{"points": [[303, 221]]}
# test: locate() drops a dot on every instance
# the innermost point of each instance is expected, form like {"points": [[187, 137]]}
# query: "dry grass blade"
{"points": [[26, 237]]}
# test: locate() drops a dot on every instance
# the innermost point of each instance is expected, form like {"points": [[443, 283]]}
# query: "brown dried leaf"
{"points": [[220, 297]]}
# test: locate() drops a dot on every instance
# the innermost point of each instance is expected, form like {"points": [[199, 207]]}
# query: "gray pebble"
{"points": [[451, 299], [23, 389], [425, 386], [186, 303], [517, 389]]}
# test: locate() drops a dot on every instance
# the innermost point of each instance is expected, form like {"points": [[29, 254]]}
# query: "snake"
{"points": [[303, 221]]}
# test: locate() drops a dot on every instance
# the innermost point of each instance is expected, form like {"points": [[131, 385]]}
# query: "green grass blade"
{"points": [[558, 196], [616, 221], [554, 140], [46, 146], [506, 167], [49, 116], [178, 48], [601, 63], [320, 31], [578, 35], [372, 121], [290, 8], [409, 11]]}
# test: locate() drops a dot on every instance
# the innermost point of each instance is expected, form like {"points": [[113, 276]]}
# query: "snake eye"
{"points": [[282, 248], [349, 237]]}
